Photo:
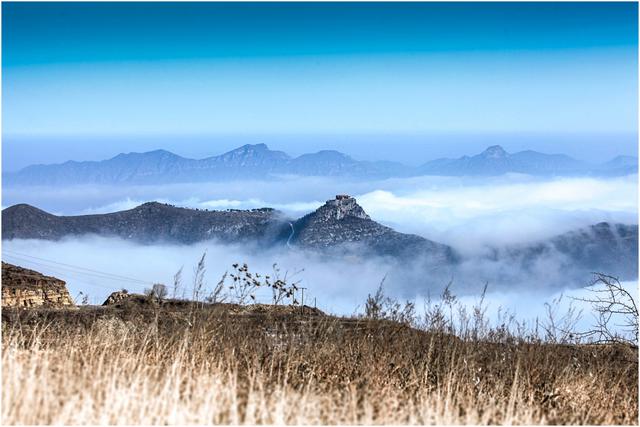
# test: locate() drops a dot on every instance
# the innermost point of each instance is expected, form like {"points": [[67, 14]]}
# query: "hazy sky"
{"points": [[88, 80]]}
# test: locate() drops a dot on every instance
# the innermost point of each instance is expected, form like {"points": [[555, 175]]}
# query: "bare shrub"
{"points": [[439, 316], [560, 328], [381, 306], [282, 286], [245, 283], [615, 309], [373, 307], [157, 291]]}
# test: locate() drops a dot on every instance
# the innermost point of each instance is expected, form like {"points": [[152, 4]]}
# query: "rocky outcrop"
{"points": [[27, 288], [125, 299], [116, 297]]}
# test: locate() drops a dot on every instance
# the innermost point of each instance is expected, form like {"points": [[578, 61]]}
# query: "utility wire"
{"points": [[76, 275], [90, 271], [82, 278]]}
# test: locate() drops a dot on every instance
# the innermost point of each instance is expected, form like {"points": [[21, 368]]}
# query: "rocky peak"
{"points": [[249, 150], [494, 152], [251, 154], [150, 155], [341, 207]]}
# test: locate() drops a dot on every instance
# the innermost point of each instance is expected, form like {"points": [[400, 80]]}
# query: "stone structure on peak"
{"points": [[341, 207]]}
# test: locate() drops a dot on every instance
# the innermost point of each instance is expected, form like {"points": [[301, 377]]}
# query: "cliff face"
{"points": [[28, 288]]}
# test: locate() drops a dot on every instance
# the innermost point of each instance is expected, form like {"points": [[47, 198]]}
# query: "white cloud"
{"points": [[337, 286], [489, 211]]}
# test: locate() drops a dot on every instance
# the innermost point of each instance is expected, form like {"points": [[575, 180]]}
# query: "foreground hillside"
{"points": [[138, 362]]}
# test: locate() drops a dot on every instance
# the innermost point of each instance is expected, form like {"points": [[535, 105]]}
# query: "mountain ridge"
{"points": [[497, 161], [147, 223], [258, 161], [340, 227]]}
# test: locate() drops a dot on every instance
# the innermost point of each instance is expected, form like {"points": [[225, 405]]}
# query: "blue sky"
{"points": [[197, 78]]}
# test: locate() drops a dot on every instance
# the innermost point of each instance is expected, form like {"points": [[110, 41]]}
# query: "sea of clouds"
{"points": [[511, 208], [466, 213]]}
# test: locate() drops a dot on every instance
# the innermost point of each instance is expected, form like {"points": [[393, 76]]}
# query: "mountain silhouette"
{"points": [[257, 161]]}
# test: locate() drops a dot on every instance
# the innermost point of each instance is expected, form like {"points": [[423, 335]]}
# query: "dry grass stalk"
{"points": [[177, 367]]}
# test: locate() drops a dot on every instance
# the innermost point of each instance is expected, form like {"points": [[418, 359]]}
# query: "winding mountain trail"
{"points": [[290, 235]]}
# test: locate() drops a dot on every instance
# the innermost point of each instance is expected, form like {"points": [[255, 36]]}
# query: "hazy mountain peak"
{"points": [[251, 148], [160, 152], [256, 147], [624, 160], [248, 148], [333, 153], [255, 152], [150, 154], [495, 161], [494, 152], [325, 156]]}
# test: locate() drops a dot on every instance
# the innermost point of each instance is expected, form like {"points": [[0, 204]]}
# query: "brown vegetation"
{"points": [[171, 363]]}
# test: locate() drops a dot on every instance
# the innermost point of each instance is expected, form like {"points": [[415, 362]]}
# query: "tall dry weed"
{"points": [[183, 368]]}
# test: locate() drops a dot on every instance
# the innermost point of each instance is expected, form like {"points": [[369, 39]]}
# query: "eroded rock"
{"points": [[116, 297], [28, 288]]}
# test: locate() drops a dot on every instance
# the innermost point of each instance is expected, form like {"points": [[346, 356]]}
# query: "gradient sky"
{"points": [[196, 78]]}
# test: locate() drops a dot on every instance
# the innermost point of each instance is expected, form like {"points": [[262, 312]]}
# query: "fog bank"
{"points": [[335, 285]]}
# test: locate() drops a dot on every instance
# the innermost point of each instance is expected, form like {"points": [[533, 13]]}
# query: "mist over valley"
{"points": [[534, 234]]}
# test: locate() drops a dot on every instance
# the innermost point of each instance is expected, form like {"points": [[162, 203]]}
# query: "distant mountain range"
{"points": [[339, 227], [259, 162], [496, 161]]}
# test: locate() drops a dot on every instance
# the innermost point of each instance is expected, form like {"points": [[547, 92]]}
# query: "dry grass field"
{"points": [[204, 364]]}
